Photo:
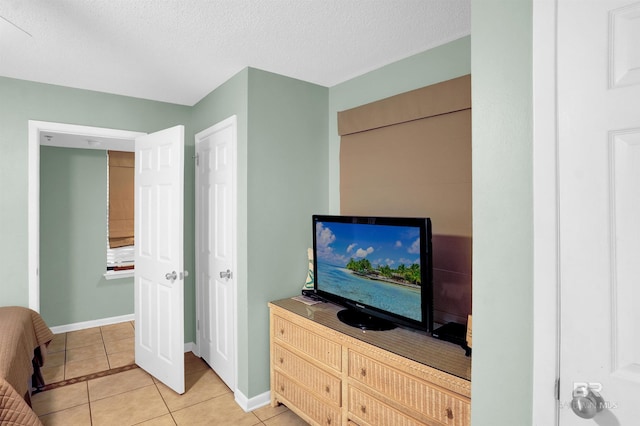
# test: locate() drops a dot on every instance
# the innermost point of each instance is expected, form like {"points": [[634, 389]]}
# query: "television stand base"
{"points": [[363, 321]]}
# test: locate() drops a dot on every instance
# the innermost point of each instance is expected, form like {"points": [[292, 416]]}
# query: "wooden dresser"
{"points": [[332, 374]]}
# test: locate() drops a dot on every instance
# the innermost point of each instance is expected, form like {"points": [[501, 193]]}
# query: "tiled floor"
{"points": [[78, 353], [134, 397]]}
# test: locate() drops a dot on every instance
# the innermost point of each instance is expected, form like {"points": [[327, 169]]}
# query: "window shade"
{"points": [[442, 98], [121, 198], [410, 155], [419, 168]]}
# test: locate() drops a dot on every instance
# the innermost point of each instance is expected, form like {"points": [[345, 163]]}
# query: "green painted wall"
{"points": [[442, 63], [282, 181], [287, 182], [502, 212], [229, 99], [21, 101], [73, 205]]}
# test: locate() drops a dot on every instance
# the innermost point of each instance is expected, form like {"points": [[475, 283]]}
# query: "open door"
{"points": [[599, 206], [159, 276]]}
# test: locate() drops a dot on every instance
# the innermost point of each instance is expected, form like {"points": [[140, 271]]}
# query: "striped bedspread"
{"points": [[22, 331]]}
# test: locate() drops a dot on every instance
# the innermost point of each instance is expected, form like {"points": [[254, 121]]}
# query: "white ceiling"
{"points": [[178, 51]]}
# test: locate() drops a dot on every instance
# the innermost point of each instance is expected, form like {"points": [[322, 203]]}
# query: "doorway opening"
{"points": [[68, 136]]}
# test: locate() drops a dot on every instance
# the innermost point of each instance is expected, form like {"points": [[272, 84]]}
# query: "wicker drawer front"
{"points": [[320, 349], [315, 408], [409, 391], [373, 412], [323, 384]]}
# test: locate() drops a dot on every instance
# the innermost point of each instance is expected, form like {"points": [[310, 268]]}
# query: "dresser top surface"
{"points": [[411, 344]]}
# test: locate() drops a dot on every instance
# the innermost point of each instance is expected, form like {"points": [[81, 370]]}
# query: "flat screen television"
{"points": [[379, 268]]}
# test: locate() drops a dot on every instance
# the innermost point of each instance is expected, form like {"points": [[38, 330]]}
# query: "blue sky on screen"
{"points": [[336, 243]]}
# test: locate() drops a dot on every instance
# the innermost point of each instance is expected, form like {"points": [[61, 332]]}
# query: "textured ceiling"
{"points": [[180, 50]]}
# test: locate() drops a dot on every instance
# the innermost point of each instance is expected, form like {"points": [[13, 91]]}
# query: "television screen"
{"points": [[378, 267]]}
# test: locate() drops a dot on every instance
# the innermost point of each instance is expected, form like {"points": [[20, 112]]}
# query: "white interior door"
{"points": [[599, 210], [159, 277], [215, 241]]}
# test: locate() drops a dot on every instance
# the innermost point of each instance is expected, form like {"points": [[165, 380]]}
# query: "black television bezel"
{"points": [[426, 269]]}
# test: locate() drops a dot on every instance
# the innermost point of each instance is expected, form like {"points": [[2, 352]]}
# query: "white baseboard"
{"points": [[251, 404], [195, 348], [89, 324]]}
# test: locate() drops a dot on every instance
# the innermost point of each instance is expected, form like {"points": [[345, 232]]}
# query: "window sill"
{"points": [[115, 275]]}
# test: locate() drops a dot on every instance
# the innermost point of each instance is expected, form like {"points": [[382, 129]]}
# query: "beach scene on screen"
{"points": [[377, 265]]}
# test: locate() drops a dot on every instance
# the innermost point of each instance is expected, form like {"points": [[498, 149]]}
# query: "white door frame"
{"points": [[33, 195], [231, 121], [546, 282]]}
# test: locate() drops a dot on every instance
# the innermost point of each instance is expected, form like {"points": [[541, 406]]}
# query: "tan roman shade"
{"points": [[410, 155], [121, 198]]}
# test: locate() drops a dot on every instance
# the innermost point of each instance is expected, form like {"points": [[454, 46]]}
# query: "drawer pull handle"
{"points": [[363, 408], [327, 389], [328, 420], [363, 372], [281, 388], [449, 413], [282, 331], [281, 360]]}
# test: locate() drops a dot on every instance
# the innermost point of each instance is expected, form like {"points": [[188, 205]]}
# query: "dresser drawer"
{"points": [[432, 402], [364, 408], [322, 383], [319, 348], [317, 409]]}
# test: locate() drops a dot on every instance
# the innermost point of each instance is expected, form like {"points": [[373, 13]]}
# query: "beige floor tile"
{"points": [[85, 366], [288, 418], [60, 399], [121, 345], [165, 420], [77, 339], [118, 326], [221, 410], [76, 416], [54, 359], [53, 374], [117, 331], [193, 363], [268, 411], [120, 359], [131, 407], [199, 386], [104, 387], [85, 352], [57, 343], [84, 332]]}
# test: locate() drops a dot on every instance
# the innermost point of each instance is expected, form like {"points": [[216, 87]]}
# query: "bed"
{"points": [[24, 337]]}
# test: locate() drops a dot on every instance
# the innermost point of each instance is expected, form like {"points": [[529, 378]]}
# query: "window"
{"points": [[120, 213]]}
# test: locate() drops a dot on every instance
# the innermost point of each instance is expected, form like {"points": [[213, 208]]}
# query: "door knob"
{"points": [[586, 403], [225, 274], [171, 276]]}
